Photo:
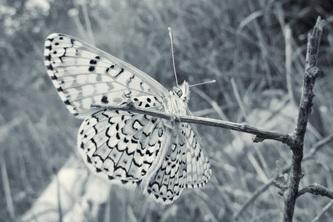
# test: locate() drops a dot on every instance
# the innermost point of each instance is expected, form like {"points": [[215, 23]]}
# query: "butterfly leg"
{"points": [[128, 100]]}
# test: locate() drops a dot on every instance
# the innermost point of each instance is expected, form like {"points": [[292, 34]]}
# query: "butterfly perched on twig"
{"points": [[161, 157]]}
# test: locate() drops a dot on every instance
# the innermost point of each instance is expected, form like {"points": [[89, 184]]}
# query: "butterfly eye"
{"points": [[179, 92]]}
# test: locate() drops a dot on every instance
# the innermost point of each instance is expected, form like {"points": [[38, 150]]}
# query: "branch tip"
{"points": [[320, 23]]}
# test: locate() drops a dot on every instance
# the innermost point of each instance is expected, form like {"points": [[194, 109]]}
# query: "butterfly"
{"points": [[161, 157]]}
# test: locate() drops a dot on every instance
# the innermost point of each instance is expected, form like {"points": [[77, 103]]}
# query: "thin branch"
{"points": [[241, 127], [311, 73], [316, 189]]}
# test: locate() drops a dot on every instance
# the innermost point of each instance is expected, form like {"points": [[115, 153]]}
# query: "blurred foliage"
{"points": [[214, 39]]}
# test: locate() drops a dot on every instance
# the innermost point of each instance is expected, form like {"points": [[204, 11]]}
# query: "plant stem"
{"points": [[311, 73]]}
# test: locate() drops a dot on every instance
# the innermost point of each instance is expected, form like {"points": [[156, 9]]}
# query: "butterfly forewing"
{"points": [[85, 76]]}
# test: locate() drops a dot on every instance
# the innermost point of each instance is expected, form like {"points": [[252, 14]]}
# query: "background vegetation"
{"points": [[241, 44]]}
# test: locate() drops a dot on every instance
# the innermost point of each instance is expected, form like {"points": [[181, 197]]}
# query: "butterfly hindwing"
{"points": [[84, 75], [120, 145], [169, 180], [184, 166], [197, 163]]}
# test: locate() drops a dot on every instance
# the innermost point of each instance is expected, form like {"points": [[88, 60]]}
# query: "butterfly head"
{"points": [[182, 91]]}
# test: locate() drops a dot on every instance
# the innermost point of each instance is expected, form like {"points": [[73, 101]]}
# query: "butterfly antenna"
{"points": [[172, 54], [203, 83]]}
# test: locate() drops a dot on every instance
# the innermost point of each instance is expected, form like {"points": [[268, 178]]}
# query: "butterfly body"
{"points": [[125, 146]]}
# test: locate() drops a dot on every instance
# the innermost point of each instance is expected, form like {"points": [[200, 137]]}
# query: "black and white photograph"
{"points": [[163, 111]]}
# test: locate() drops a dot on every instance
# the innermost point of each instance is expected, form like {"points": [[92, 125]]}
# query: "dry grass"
{"points": [[232, 41]]}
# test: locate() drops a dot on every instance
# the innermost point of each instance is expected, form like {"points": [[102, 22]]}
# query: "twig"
{"points": [[311, 73], [241, 127], [316, 189], [323, 211]]}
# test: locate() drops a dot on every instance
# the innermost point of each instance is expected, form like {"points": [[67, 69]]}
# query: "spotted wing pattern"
{"points": [[169, 180], [184, 166], [198, 168], [84, 75], [121, 146]]}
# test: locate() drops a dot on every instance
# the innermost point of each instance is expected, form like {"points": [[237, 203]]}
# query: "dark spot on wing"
{"points": [[120, 72], [88, 159], [91, 68], [93, 62], [105, 99]]}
